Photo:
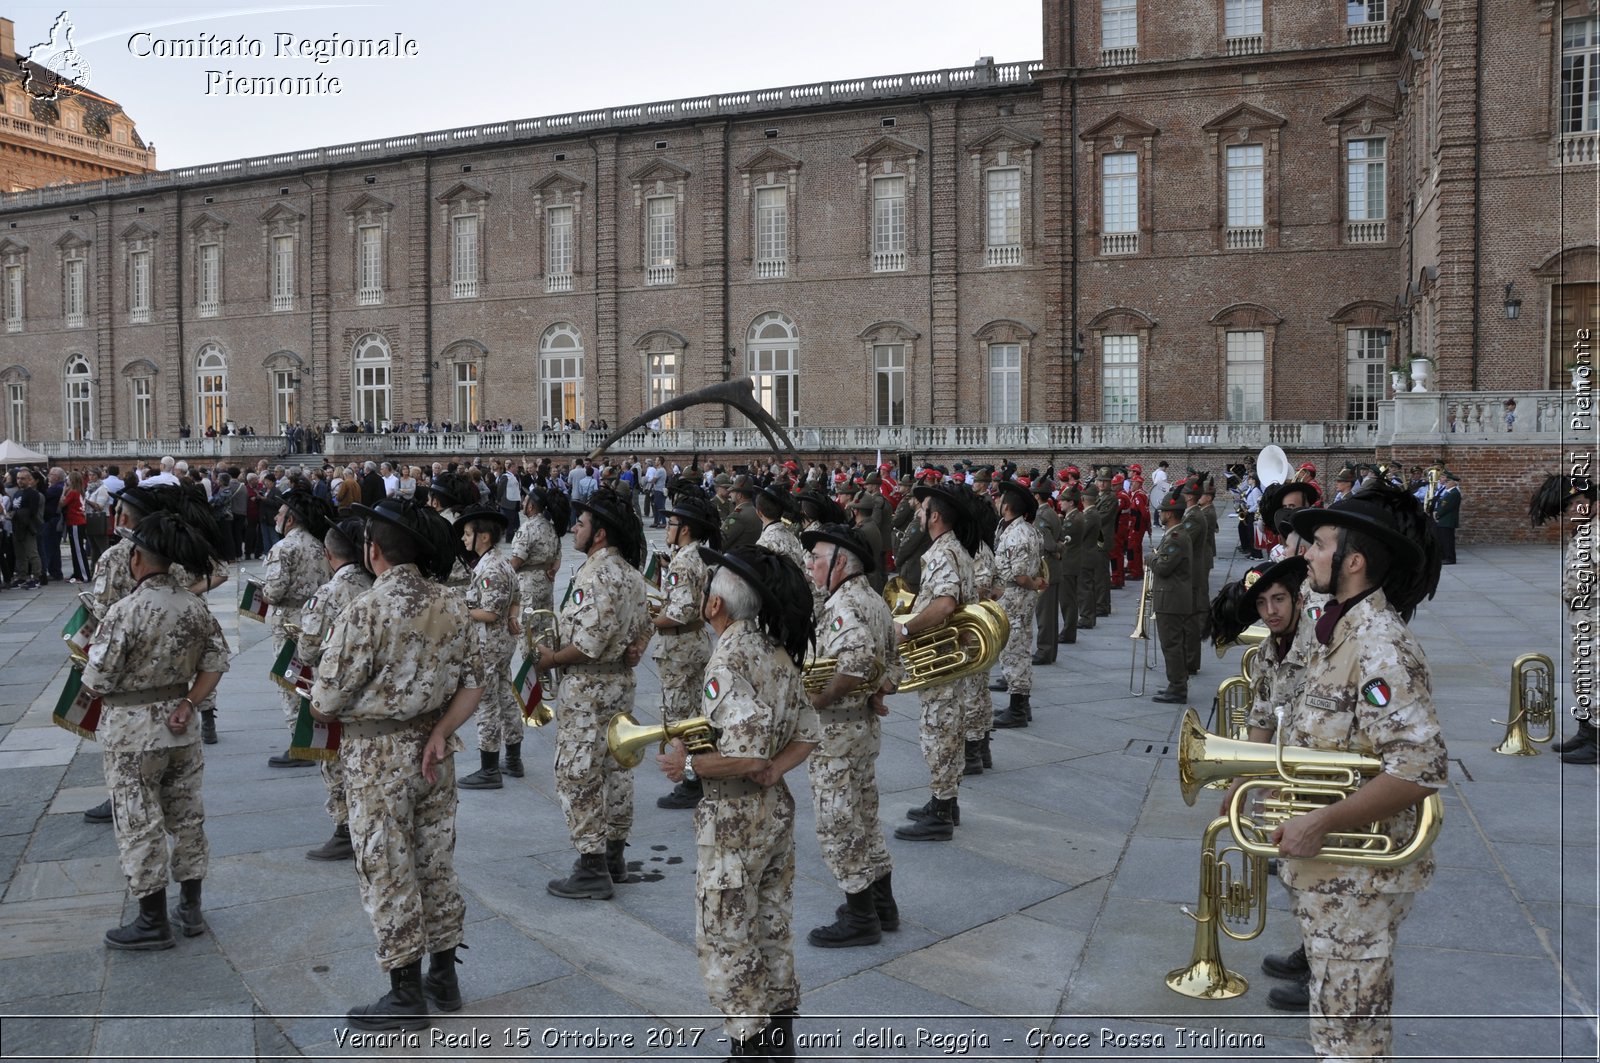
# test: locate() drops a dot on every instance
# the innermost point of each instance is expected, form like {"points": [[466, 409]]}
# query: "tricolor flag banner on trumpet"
{"points": [[530, 694], [253, 604], [79, 629], [288, 671], [75, 710], [313, 739]]}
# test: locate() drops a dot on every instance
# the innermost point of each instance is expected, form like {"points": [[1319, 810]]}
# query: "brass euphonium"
{"points": [[968, 643], [1533, 706], [1291, 781], [819, 672], [1234, 698], [627, 738], [899, 596], [1254, 635], [542, 627], [1141, 630], [1247, 663], [1226, 896]]}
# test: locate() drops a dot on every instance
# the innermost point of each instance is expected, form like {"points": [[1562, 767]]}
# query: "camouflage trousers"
{"points": [[404, 834], [154, 793], [977, 707], [844, 793], [941, 730], [1350, 943], [333, 780], [538, 592], [289, 699], [499, 715], [1016, 660], [744, 893], [596, 793], [682, 665]]}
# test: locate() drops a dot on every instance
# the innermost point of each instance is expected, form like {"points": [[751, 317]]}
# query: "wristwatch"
{"points": [[688, 769], [905, 631]]}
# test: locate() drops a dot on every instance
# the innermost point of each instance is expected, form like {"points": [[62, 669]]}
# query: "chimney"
{"points": [[8, 39]]}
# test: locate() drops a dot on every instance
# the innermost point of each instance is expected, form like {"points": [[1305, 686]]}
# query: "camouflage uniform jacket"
{"points": [[685, 584], [296, 567], [326, 606], [946, 573], [777, 538], [1368, 691], [756, 700], [536, 544], [857, 632], [399, 651], [155, 639], [1017, 553], [604, 610], [985, 575], [1281, 680], [113, 578], [495, 589]]}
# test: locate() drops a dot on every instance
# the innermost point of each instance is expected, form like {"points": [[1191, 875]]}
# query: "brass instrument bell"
{"points": [[626, 738], [1533, 706]]}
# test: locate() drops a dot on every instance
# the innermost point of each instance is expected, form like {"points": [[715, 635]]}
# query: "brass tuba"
{"points": [[1226, 896], [819, 672], [541, 626], [966, 644], [1292, 781], [1533, 705], [627, 738]]}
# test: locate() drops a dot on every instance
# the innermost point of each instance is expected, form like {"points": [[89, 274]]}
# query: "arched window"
{"points": [[774, 361], [372, 368], [561, 373], [211, 389], [80, 398]]}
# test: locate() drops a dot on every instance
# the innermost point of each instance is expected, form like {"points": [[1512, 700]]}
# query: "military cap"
{"points": [[984, 475], [743, 485], [1379, 513], [1090, 491], [1171, 504], [722, 479], [1043, 486], [430, 531], [840, 535], [701, 514], [314, 514], [872, 479], [479, 513], [1290, 571]]}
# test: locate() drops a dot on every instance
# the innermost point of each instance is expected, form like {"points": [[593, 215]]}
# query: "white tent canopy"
{"points": [[12, 453]]}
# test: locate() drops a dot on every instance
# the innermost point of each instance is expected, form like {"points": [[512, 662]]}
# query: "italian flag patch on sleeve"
{"points": [[1376, 691], [713, 690]]}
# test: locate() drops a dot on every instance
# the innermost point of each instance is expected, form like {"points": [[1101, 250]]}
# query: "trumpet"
{"points": [[1292, 781], [968, 643], [1141, 630], [1533, 705], [542, 627], [1226, 896], [626, 738]]}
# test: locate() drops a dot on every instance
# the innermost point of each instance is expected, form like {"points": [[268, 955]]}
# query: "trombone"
{"points": [[1533, 705], [1141, 631]]}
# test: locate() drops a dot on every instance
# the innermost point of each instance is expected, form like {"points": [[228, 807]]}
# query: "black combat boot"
{"points": [[750, 1048], [616, 862], [937, 826], [100, 813], [1027, 706], [403, 1007], [779, 1036], [208, 726], [883, 902], [186, 913], [1583, 736], [486, 777], [441, 986], [1289, 966], [922, 812], [150, 932], [974, 761], [337, 847], [999, 685], [983, 752], [1586, 750], [857, 924], [514, 759], [1015, 714], [685, 795], [1291, 996], [589, 880]]}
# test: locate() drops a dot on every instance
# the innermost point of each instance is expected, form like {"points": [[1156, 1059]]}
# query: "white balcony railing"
{"points": [[1007, 255], [464, 289], [1119, 243], [1251, 44], [888, 261], [1579, 149], [1119, 56], [1366, 33], [558, 282], [1366, 232], [14, 325], [139, 315], [1244, 238], [1460, 418], [75, 320], [664, 275], [369, 296], [769, 268], [280, 303], [209, 308]]}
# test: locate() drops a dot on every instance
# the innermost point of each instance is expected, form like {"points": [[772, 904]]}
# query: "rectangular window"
{"points": [[1246, 185], [663, 382], [209, 293], [369, 265], [144, 408], [888, 224], [1361, 12], [17, 412], [466, 404], [1120, 395], [1580, 75], [464, 256], [1366, 170], [558, 249], [661, 240], [283, 273], [1247, 363], [1004, 217], [1366, 360], [12, 294], [1005, 383], [1242, 18], [284, 397], [77, 292], [772, 232], [139, 287], [889, 368], [1119, 184], [1119, 24]]}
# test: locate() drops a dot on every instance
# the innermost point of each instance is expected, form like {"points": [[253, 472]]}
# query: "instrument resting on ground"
{"points": [[1533, 706], [1226, 896]]}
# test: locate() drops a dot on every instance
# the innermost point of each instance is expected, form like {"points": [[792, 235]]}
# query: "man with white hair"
{"points": [[391, 481], [372, 487], [165, 476]]}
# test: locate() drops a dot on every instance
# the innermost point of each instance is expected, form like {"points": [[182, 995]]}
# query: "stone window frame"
{"points": [[1552, 13], [282, 220], [207, 348], [207, 229], [888, 157], [460, 200], [1243, 317], [1007, 330], [1003, 147], [367, 209], [658, 177], [1221, 9], [1357, 315], [1121, 133], [1365, 118], [10, 376], [890, 332], [772, 168], [466, 351], [285, 361], [662, 341], [13, 253], [558, 188], [1240, 126], [92, 399], [137, 238], [73, 246], [1120, 321]]}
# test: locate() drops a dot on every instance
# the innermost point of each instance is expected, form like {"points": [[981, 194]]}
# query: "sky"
{"points": [[488, 61]]}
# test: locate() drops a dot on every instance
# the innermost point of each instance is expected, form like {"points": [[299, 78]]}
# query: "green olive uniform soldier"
{"points": [[1047, 612], [1172, 596], [742, 527], [1072, 533], [1092, 557]]}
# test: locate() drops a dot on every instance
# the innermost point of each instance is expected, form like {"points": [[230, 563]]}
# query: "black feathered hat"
{"points": [[433, 535], [1272, 501], [479, 512], [353, 531], [453, 490], [1556, 494], [1021, 498], [961, 501], [822, 509], [702, 516], [623, 528], [174, 540], [314, 514], [1395, 518], [154, 498], [844, 536], [785, 594], [554, 505], [1290, 572]]}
